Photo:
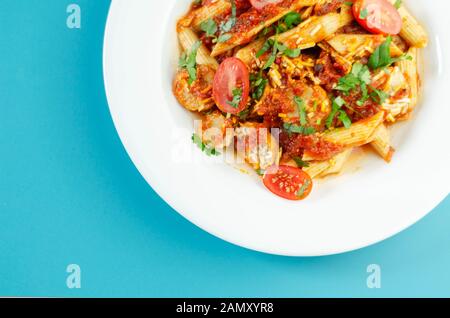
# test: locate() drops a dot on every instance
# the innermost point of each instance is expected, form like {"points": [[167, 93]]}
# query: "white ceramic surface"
{"points": [[354, 210]]}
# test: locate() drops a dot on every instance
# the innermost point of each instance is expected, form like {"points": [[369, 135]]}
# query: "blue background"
{"points": [[70, 194]]}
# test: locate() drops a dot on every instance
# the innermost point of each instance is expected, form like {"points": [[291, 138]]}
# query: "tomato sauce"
{"points": [[254, 17], [328, 7], [328, 71], [295, 145]]}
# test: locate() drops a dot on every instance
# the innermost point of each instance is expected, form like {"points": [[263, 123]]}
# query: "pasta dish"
{"points": [[292, 87]]}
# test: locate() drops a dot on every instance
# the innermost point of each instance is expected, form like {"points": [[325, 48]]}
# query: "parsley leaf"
{"points": [[398, 4], [300, 163], [209, 27], [292, 19], [360, 74], [226, 26], [197, 140], [338, 102], [276, 47], [301, 130], [302, 190], [258, 85], [301, 110], [381, 57], [188, 61], [363, 14], [237, 97]]}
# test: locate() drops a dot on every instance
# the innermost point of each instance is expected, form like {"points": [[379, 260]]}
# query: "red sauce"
{"points": [[328, 7], [295, 145], [280, 101], [353, 28], [202, 86], [357, 112], [253, 17], [328, 71]]}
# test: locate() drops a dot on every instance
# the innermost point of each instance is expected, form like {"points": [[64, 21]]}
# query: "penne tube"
{"points": [[324, 168], [187, 39], [204, 13], [248, 53], [360, 133], [314, 30], [243, 31], [337, 163], [382, 143], [350, 45], [307, 13], [412, 31], [257, 147], [316, 168], [409, 68]]}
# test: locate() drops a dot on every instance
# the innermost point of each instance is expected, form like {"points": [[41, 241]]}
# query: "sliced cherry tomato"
{"points": [[377, 16], [288, 182], [259, 4], [231, 86]]}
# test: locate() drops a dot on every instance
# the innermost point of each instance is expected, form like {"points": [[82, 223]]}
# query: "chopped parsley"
{"points": [[300, 163], [209, 27], [360, 74], [296, 129], [188, 61], [398, 4], [258, 84], [359, 77], [288, 22], [276, 48], [381, 57], [197, 140], [363, 14], [305, 186], [378, 96], [237, 98], [336, 109], [301, 110], [226, 26]]}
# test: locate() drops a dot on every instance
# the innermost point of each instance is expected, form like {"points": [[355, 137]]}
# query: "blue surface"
{"points": [[70, 194]]}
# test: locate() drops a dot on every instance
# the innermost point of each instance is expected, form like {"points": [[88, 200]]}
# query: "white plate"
{"points": [[344, 213]]}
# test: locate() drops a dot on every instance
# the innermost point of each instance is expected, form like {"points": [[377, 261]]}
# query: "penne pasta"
{"points": [[412, 32], [247, 54], [359, 45], [358, 134], [409, 68], [257, 147], [307, 13], [316, 168], [204, 13], [382, 144], [337, 163], [333, 166], [243, 31], [187, 39], [314, 30]]}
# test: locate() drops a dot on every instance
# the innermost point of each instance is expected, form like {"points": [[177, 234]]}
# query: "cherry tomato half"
{"points": [[231, 86], [288, 182], [378, 16], [259, 4]]}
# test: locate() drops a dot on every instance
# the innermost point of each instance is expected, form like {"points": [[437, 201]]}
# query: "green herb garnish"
{"points": [[197, 140], [237, 98], [188, 61], [381, 57]]}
